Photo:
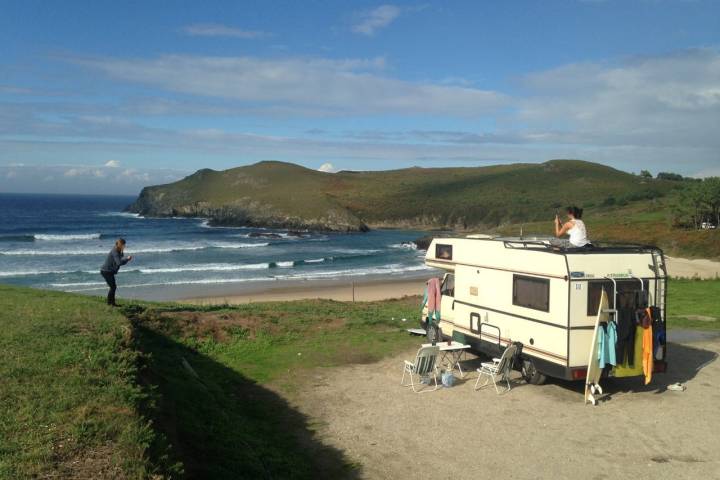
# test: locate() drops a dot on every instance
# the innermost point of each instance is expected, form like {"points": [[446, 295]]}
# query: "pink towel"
{"points": [[433, 293]]}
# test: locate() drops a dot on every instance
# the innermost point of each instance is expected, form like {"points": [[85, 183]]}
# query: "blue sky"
{"points": [[110, 96]]}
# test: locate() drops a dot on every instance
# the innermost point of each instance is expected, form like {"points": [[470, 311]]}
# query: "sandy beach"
{"points": [[341, 290]]}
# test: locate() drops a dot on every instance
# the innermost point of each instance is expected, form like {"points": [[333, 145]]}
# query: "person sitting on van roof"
{"points": [[574, 227]]}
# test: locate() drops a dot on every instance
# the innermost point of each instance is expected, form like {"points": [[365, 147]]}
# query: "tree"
{"points": [[645, 174], [675, 177], [710, 193]]}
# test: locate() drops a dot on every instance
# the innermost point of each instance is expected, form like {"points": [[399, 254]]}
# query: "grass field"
{"points": [[197, 392], [694, 304], [68, 396]]}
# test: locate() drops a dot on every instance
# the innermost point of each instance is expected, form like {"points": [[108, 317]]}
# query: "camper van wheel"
{"points": [[530, 373]]}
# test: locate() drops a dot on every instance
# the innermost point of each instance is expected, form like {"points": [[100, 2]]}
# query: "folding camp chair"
{"points": [[425, 364], [500, 367]]}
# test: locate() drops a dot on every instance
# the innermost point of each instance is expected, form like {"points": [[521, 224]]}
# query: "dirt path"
{"points": [[531, 432], [697, 268]]}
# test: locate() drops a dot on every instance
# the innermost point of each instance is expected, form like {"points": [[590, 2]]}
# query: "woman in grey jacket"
{"points": [[112, 265]]}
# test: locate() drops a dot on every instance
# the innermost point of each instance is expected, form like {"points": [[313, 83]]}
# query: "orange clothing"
{"points": [[647, 349]]}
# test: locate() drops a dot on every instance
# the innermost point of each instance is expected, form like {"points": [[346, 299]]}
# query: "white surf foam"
{"points": [[210, 267], [120, 214], [132, 251], [66, 237]]}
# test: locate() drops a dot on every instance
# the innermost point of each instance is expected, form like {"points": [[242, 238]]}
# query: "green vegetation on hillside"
{"points": [[282, 194]]}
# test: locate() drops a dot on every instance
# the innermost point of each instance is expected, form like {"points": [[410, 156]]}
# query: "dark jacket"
{"points": [[114, 261]]}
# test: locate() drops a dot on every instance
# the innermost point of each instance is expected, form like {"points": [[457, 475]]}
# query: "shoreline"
{"points": [[366, 290]]}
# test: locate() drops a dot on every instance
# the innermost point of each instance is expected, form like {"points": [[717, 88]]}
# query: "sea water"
{"points": [[60, 241]]}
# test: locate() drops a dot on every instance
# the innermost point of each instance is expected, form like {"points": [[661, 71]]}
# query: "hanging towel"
{"points": [[433, 292], [607, 337], [432, 299]]}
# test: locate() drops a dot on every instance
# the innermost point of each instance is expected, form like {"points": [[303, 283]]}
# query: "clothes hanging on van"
{"points": [[607, 337], [432, 299], [626, 369], [624, 347], [646, 322]]}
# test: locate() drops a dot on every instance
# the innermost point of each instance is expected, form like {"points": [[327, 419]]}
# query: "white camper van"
{"points": [[541, 293]]}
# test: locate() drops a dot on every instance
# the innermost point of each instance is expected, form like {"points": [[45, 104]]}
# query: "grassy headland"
{"points": [[287, 195], [620, 207]]}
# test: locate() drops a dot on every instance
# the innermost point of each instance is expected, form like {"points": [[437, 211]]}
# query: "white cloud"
{"points": [[670, 100], [373, 20], [112, 164], [327, 167], [218, 30], [82, 178], [301, 85]]}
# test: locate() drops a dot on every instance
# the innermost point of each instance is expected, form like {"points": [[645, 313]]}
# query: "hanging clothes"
{"points": [[432, 299], [607, 337], [626, 369], [624, 347], [647, 345]]}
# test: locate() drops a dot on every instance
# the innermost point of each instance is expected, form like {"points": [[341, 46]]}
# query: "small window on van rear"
{"points": [[448, 286], [531, 292], [443, 251]]}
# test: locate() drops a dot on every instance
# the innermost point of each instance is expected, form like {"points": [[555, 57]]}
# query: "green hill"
{"points": [[276, 194]]}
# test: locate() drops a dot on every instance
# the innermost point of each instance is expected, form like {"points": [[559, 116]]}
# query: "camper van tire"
{"points": [[530, 374]]}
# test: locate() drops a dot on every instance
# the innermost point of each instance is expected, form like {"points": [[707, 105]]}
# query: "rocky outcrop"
{"points": [[163, 202]]}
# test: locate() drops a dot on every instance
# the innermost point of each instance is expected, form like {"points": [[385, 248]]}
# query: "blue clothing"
{"points": [[607, 337]]}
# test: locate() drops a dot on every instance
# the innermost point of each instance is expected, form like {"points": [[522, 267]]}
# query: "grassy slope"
{"points": [[68, 395], [223, 422], [209, 382]]}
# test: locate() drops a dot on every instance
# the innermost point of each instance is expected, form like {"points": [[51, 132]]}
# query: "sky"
{"points": [[110, 96]]}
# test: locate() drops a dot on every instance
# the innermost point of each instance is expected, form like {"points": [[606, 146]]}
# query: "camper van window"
{"points": [[626, 294], [448, 286], [531, 292], [443, 252]]}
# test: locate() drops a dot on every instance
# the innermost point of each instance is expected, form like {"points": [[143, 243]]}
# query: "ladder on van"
{"points": [[661, 280]]}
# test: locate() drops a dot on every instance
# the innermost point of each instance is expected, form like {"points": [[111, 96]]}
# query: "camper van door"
{"points": [[447, 301]]}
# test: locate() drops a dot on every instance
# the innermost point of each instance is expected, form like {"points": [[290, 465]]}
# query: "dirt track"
{"points": [[530, 432]]}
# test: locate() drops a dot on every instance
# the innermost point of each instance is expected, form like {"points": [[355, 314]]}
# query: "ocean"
{"points": [[59, 242]]}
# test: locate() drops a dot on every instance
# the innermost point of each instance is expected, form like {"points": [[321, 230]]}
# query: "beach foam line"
{"points": [[58, 237], [120, 214], [210, 267], [392, 269], [77, 284], [131, 251], [404, 246], [204, 281], [27, 273]]}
